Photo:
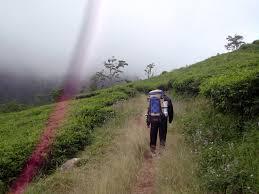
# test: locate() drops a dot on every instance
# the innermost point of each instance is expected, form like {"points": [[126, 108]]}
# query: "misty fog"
{"points": [[39, 37]]}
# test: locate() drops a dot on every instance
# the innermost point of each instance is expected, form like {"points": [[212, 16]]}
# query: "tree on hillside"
{"points": [[234, 43], [56, 94], [12, 106], [113, 69], [149, 70], [164, 72]]}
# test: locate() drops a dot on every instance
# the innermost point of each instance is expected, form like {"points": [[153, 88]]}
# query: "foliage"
{"points": [[149, 70], [104, 157], [55, 94], [26, 88], [164, 72], [226, 147], [110, 74], [256, 42], [75, 133], [234, 42], [19, 133], [225, 138], [236, 92], [229, 80], [12, 106]]}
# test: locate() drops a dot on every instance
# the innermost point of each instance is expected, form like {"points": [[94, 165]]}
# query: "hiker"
{"points": [[169, 117], [160, 111]]}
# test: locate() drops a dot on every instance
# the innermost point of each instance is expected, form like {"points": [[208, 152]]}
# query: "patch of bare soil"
{"points": [[146, 176]]}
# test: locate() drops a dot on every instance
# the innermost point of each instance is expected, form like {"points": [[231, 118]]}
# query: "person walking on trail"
{"points": [[167, 118], [160, 111]]}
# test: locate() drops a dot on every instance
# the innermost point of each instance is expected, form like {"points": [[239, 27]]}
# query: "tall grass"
{"points": [[110, 164], [177, 167], [20, 131], [208, 151]]}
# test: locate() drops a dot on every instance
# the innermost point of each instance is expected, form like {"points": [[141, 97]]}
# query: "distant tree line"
{"points": [[26, 89], [113, 73]]}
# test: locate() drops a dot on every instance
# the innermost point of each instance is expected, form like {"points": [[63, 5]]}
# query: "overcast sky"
{"points": [[39, 36]]}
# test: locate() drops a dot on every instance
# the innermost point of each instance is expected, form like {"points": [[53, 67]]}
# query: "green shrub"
{"points": [[56, 94], [227, 148], [231, 166], [75, 133], [236, 92], [256, 42], [12, 107], [87, 95], [251, 47], [19, 133]]}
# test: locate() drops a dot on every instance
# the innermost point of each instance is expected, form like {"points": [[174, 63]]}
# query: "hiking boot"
{"points": [[153, 149], [162, 144]]}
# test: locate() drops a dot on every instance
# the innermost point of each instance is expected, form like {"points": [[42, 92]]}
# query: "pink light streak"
{"points": [[71, 87]]}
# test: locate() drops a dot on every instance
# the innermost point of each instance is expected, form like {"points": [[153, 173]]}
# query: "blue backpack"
{"points": [[155, 109]]}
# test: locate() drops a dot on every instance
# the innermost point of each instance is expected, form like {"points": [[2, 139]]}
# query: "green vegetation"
{"points": [[19, 132], [222, 129], [229, 80], [224, 136], [111, 162], [12, 106], [55, 94], [177, 169], [219, 153], [226, 148]]}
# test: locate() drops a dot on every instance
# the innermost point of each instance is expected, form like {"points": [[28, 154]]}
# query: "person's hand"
{"points": [[148, 124], [147, 121]]}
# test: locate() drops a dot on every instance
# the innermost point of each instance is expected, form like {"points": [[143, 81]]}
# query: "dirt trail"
{"points": [[41, 151], [146, 176]]}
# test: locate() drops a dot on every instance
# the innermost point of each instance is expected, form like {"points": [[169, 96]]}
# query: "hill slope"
{"points": [[230, 81]]}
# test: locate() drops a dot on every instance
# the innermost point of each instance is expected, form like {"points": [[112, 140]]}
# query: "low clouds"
{"points": [[39, 36]]}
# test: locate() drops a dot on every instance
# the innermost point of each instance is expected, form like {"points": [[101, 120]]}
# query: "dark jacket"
{"points": [[170, 112], [170, 109]]}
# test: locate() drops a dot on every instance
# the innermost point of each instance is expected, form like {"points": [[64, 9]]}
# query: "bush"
{"points": [[14, 147], [12, 107], [87, 95], [56, 94], [227, 149], [229, 168], [236, 92], [75, 133]]}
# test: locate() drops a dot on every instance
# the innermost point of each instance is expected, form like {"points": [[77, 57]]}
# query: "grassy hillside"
{"points": [[111, 162], [222, 131], [19, 132], [229, 81]]}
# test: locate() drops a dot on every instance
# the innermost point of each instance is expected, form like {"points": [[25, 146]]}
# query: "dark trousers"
{"points": [[162, 128], [163, 131]]}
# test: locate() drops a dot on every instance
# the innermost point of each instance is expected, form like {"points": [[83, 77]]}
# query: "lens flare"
{"points": [[71, 87]]}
